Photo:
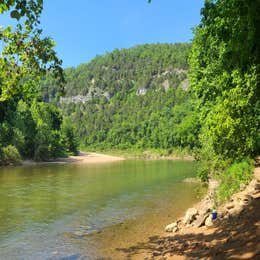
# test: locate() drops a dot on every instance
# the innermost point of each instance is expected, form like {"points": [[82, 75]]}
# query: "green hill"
{"points": [[135, 97]]}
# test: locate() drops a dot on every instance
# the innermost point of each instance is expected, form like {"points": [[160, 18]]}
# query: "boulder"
{"points": [[253, 187], [173, 227], [200, 220], [205, 209], [209, 222], [190, 215]]}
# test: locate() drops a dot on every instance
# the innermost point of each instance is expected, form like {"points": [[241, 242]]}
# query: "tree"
{"points": [[27, 126], [224, 77], [26, 56]]}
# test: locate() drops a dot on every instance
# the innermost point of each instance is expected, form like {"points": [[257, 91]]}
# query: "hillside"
{"points": [[135, 97]]}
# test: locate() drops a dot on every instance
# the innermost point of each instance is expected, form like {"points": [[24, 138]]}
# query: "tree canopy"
{"points": [[26, 56], [28, 126]]}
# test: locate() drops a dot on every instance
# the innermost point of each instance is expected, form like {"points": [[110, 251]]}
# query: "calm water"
{"points": [[87, 211]]}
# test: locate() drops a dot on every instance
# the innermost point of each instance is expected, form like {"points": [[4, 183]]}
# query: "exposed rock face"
{"points": [[166, 84], [185, 84], [141, 91], [75, 99], [190, 215]]}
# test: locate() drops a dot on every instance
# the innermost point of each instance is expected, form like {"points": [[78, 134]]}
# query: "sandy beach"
{"points": [[82, 158], [86, 157]]}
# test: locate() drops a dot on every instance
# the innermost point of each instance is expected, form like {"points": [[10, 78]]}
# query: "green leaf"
{"points": [[15, 14]]}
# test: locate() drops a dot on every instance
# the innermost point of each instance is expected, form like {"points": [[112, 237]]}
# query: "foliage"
{"points": [[134, 98], [25, 56], [48, 137], [9, 155], [27, 126], [233, 177], [224, 76], [121, 70], [70, 141]]}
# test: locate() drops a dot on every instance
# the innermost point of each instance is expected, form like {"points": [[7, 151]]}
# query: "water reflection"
{"points": [[88, 210]]}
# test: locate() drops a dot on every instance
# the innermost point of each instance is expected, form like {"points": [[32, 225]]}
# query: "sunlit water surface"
{"points": [[75, 211]]}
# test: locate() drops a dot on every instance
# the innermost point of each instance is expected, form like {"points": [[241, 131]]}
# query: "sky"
{"points": [[83, 29]]}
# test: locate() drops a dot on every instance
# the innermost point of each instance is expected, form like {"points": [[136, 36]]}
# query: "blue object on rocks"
{"points": [[214, 214]]}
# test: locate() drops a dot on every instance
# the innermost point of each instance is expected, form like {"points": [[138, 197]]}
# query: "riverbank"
{"points": [[109, 156], [234, 235], [82, 158], [152, 154]]}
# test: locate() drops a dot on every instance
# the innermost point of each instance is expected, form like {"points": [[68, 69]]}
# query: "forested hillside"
{"points": [[135, 97]]}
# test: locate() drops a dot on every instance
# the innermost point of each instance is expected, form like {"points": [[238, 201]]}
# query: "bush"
{"points": [[10, 155], [49, 145], [232, 177], [41, 153], [69, 139]]}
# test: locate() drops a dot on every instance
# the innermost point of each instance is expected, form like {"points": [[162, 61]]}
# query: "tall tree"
{"points": [[224, 76]]}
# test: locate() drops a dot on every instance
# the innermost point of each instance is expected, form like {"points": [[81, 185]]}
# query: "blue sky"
{"points": [[84, 28]]}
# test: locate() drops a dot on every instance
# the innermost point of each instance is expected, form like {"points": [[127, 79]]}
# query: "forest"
{"points": [[131, 98]]}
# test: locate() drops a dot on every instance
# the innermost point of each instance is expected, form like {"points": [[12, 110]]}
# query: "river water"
{"points": [[74, 211]]}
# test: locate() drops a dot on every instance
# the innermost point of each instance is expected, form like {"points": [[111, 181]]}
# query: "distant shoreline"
{"points": [[82, 158], [147, 154], [93, 157]]}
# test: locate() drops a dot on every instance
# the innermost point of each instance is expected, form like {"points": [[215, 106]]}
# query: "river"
{"points": [[80, 211]]}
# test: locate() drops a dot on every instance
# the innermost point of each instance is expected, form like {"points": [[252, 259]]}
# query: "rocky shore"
{"points": [[201, 214], [234, 234]]}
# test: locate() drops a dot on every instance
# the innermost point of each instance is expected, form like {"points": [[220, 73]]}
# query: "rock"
{"points": [[209, 222], [243, 199], [192, 180], [230, 205], [190, 215], [173, 227], [206, 209], [200, 220], [253, 187], [235, 211], [242, 187]]}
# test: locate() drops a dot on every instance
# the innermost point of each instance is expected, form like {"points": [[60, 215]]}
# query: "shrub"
{"points": [[69, 139], [232, 177], [41, 153], [10, 155]]}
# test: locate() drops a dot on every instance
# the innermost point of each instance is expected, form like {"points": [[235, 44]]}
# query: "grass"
{"points": [[231, 179]]}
